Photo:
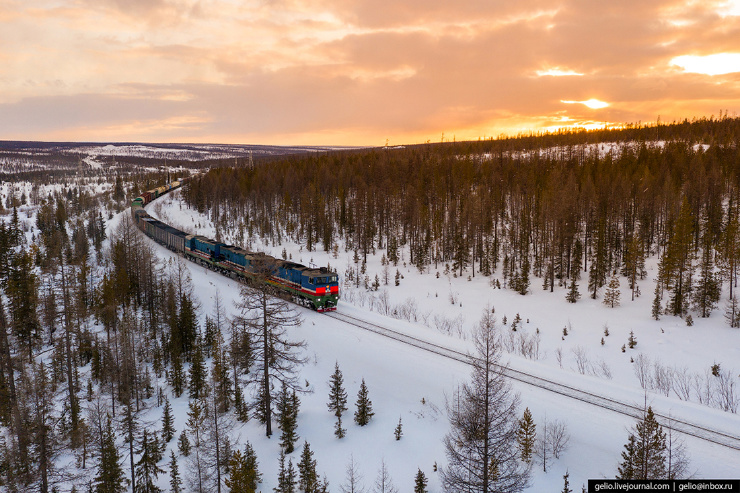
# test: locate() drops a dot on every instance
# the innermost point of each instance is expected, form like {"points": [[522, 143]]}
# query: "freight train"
{"points": [[317, 288]]}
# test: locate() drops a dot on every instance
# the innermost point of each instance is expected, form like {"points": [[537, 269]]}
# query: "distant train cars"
{"points": [[317, 288]]}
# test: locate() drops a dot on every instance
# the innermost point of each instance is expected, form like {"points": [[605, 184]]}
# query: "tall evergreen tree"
{"points": [[244, 475], [644, 456], [197, 385], [110, 478], [147, 469], [175, 480], [706, 291], [168, 426], [287, 414], [364, 406], [337, 398], [308, 478], [678, 261]]}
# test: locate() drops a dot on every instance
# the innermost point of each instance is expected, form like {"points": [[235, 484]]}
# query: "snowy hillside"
{"points": [[413, 385]]}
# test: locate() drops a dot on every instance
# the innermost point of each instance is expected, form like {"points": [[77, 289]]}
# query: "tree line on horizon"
{"points": [[566, 209]]}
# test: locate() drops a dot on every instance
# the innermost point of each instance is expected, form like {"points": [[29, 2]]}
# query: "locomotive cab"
{"points": [[322, 288]]}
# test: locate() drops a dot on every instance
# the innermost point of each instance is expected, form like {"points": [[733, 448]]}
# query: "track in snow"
{"points": [[711, 435]]}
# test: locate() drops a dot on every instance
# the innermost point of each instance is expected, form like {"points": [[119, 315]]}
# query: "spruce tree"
{"points": [[244, 475], [612, 293], [147, 469], [175, 480], [110, 478], [177, 378], [237, 480], [566, 484], [706, 292], [573, 294], [308, 479], [287, 414], [656, 307], [183, 444], [398, 432], [286, 477], [526, 435], [420, 482], [168, 427], [364, 406], [337, 399]]}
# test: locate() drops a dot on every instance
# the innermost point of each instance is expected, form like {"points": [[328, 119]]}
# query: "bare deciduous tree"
{"points": [[481, 447]]}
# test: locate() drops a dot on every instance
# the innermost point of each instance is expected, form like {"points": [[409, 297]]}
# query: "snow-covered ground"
{"points": [[411, 384]]}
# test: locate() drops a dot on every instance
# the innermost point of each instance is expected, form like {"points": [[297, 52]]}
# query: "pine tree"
{"points": [[364, 406], [147, 469], [308, 479], [420, 482], [398, 432], [612, 293], [526, 435], [110, 478], [337, 399], [175, 481], [631, 340], [573, 295], [168, 427]]}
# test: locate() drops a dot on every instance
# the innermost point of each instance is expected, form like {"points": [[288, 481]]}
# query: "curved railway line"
{"points": [[718, 437], [708, 434]]}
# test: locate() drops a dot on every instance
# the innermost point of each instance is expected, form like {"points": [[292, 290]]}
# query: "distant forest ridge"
{"points": [[583, 208]]}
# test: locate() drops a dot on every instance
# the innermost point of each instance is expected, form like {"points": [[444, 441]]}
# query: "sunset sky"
{"points": [[357, 72]]}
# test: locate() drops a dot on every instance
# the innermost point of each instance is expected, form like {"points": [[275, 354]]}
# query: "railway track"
{"points": [[715, 436]]}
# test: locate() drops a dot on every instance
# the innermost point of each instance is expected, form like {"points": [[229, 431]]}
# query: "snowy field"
{"points": [[413, 385]]}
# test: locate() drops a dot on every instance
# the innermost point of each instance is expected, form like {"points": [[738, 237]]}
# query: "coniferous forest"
{"points": [[95, 329], [562, 209]]}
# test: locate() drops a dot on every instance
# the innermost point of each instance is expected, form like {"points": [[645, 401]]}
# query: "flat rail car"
{"points": [[317, 288]]}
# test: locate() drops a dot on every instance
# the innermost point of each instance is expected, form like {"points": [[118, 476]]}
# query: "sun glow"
{"points": [[594, 104], [716, 64], [557, 72]]}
